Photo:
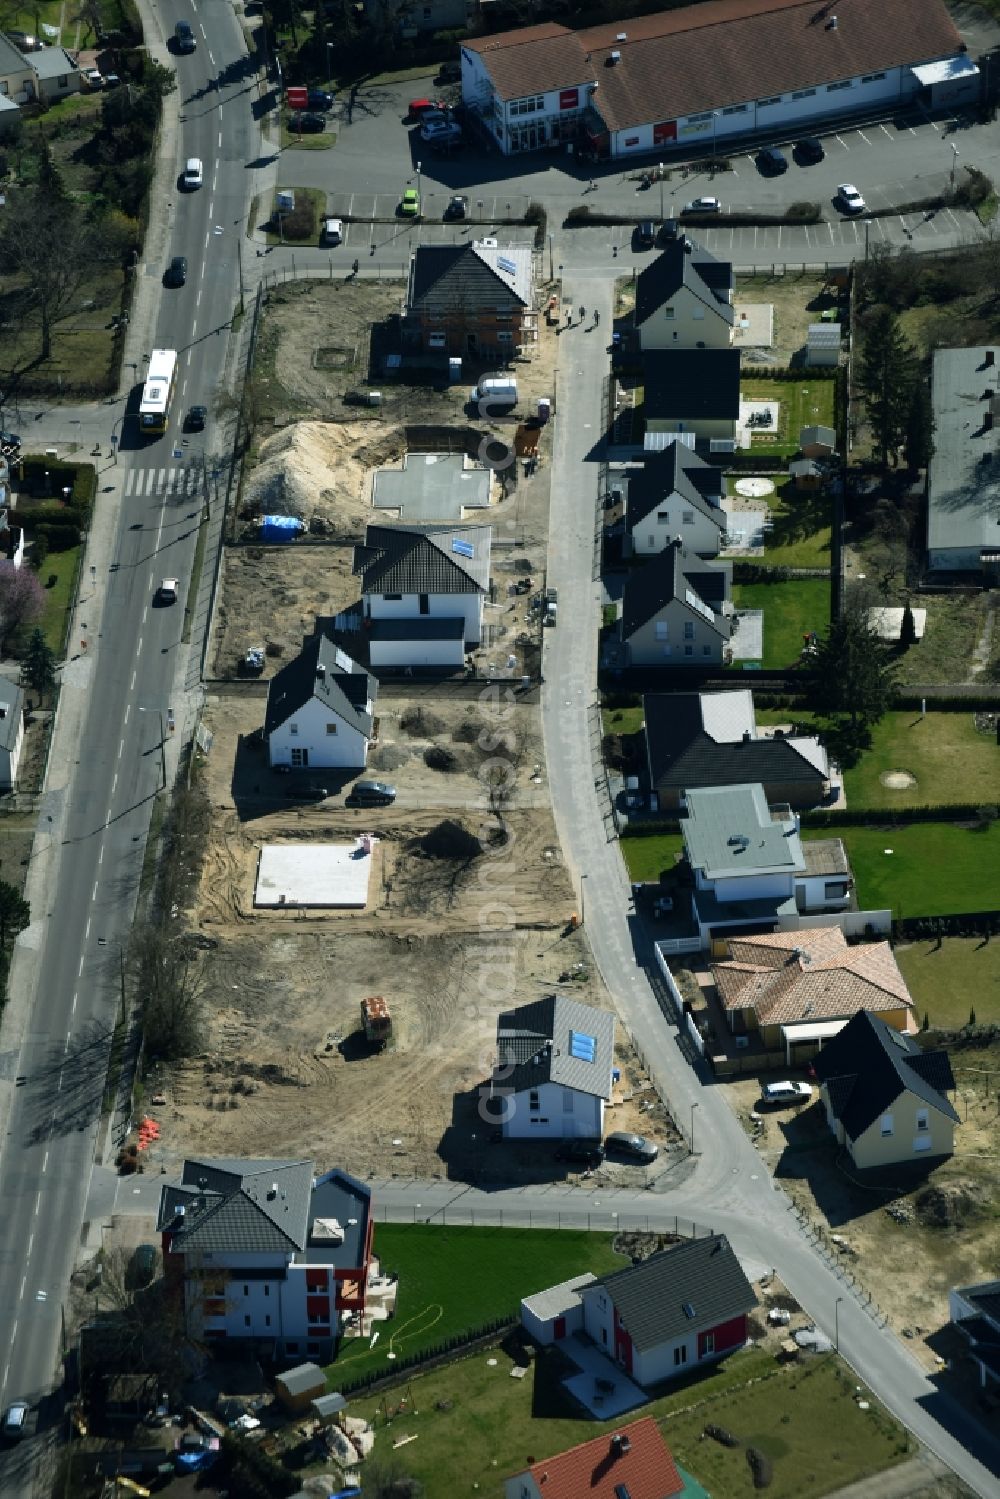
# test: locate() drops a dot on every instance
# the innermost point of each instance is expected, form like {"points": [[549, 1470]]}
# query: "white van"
{"points": [[333, 231], [495, 393]]}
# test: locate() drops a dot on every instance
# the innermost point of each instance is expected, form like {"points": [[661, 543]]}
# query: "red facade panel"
{"points": [[727, 1335], [318, 1308], [317, 1280]]}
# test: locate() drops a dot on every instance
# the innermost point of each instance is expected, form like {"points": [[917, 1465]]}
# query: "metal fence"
{"points": [[589, 1219]]}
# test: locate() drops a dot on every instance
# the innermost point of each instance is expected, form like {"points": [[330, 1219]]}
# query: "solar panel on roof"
{"points": [[507, 266], [582, 1046], [462, 548]]}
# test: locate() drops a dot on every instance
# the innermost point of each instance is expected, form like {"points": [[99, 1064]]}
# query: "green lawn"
{"points": [[645, 858], [622, 720], [801, 403], [790, 610], [491, 1426], [950, 760], [935, 868], [453, 1280], [950, 978], [802, 528], [291, 139], [58, 598]]}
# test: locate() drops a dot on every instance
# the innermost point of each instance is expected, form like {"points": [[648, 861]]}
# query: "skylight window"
{"points": [[582, 1046]]}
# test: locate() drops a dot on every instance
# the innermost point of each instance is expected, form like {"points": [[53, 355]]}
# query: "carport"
{"points": [[950, 80], [805, 1032]]}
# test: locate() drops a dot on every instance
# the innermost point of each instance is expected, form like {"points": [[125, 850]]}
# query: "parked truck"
{"points": [[551, 612], [376, 1020]]}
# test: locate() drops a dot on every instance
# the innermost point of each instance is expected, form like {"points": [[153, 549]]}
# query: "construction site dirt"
{"points": [[471, 911]]}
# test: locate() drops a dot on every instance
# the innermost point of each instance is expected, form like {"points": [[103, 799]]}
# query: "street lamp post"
{"points": [[836, 1323], [954, 162], [583, 907], [420, 206], [693, 1107], [163, 742], [551, 269]]}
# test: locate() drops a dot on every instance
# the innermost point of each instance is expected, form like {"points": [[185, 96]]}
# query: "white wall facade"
{"points": [[743, 887], [542, 1329], [674, 516], [527, 124], [810, 894], [10, 759], [306, 731], [467, 606], [677, 637], [552, 1112], [687, 321]]}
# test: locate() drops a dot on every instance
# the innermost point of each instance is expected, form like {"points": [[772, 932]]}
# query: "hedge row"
{"points": [[583, 216], [833, 817], [759, 572], [770, 373], [79, 478], [972, 704], [961, 924], [426, 1355]]}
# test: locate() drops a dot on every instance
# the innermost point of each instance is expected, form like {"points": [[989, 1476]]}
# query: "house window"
{"points": [[3, 86], [680, 1356], [527, 106], [668, 312], [267, 1321], [698, 313], [689, 650], [604, 1336], [291, 1347], [331, 728], [668, 650], [539, 1120], [392, 598], [707, 1344], [923, 1119], [735, 109], [872, 77], [425, 606], [922, 1142], [834, 890], [246, 1321], [246, 1290], [651, 540], [803, 93], [886, 1125], [533, 1102], [763, 103], [318, 1317], [293, 728], [662, 629], [63, 81], [300, 758], [267, 1290], [663, 516], [697, 119], [832, 87], [706, 650], [688, 629], [687, 516], [505, 338]]}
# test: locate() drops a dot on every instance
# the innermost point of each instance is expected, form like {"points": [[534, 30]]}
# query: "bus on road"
{"points": [[158, 391]]}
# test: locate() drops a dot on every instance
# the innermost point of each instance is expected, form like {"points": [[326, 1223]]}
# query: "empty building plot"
{"points": [[326, 875]]}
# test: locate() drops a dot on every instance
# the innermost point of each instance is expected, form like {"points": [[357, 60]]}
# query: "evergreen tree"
{"points": [[887, 374], [907, 629], [918, 439], [15, 913], [852, 679], [39, 663]]}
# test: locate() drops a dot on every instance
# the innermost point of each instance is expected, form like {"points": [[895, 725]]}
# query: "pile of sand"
{"points": [[314, 469]]}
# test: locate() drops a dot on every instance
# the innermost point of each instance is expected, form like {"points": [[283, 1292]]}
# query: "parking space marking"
{"points": [[833, 238], [953, 218], [841, 143], [888, 133], [864, 137]]}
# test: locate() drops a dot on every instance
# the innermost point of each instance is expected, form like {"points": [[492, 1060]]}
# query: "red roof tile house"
{"points": [[633, 1461], [673, 1312]]}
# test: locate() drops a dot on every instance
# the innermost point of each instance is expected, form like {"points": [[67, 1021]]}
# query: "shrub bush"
{"points": [[300, 224], [56, 536]]}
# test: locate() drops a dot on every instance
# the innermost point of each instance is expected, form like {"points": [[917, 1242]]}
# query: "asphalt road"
{"points": [[117, 689]]}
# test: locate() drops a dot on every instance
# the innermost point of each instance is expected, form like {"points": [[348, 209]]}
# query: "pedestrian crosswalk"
{"points": [[174, 480]]}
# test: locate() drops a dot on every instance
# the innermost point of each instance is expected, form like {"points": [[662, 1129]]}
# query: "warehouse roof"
{"points": [[707, 56], [963, 503]]}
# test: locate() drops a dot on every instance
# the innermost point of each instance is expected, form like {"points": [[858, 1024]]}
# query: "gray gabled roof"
{"points": [[51, 62], [729, 830], [687, 1288], [691, 384], [12, 701], [552, 1040], [868, 1064], [963, 496], [684, 754], [676, 573], [678, 472], [12, 59], [684, 263], [469, 278], [323, 671], [424, 559], [236, 1206]]}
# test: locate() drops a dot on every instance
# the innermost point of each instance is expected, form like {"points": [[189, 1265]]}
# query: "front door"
{"points": [[300, 758]]}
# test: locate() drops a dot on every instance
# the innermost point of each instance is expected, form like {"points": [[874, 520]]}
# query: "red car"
{"points": [[419, 107]]}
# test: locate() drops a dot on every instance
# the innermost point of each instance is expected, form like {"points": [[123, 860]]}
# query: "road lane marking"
{"points": [[45, 1167], [73, 1006], [220, 140], [207, 237], [197, 304], [21, 1292], [114, 787], [86, 933], [93, 893], [31, 1242], [131, 688]]}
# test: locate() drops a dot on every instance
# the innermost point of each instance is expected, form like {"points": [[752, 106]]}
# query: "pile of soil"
{"points": [[389, 757], [314, 468], [449, 840], [951, 1205]]}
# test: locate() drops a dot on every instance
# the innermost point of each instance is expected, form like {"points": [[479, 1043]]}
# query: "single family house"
{"points": [[794, 990], [11, 732], [692, 391], [974, 1312], [56, 73], [684, 299], [17, 77], [320, 710], [675, 612], [679, 1309], [632, 1462], [673, 494], [750, 865], [473, 299], [422, 593], [268, 1254], [554, 1070], [886, 1098], [699, 739]]}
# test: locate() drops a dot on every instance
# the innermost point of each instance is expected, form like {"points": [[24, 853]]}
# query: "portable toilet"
{"points": [[454, 371], [286, 200], [544, 409]]}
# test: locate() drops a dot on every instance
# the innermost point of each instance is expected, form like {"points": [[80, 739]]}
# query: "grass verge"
{"points": [[933, 869], [950, 978], [478, 1425], [291, 140], [454, 1280], [62, 566], [195, 583], [647, 858], [317, 196], [791, 609]]}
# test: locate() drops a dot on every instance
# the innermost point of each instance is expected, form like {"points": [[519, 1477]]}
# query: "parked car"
{"points": [[703, 205], [645, 234], [850, 199], [177, 271], [111, 80], [94, 77], [370, 794], [809, 150], [581, 1152], [185, 37], [9, 441], [16, 1420], [333, 231], [777, 1094], [449, 72], [194, 174], [304, 123], [196, 419], [167, 591], [419, 107], [318, 98], [409, 205], [306, 791], [771, 161], [635, 1147], [445, 133], [458, 207]]}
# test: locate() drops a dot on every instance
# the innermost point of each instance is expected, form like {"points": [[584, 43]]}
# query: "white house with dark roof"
{"points": [[684, 299], [423, 590], [673, 1312], [673, 494], [11, 731], [676, 611], [683, 78], [554, 1070], [320, 710], [269, 1254]]}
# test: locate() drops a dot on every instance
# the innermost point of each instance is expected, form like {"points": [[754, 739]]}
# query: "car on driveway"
{"points": [[194, 174], [457, 208], [777, 1095], [409, 205], [318, 98], [634, 1147], [177, 271], [419, 107], [370, 794], [771, 162], [645, 234], [581, 1152], [441, 133], [850, 199], [306, 791], [703, 205], [333, 231], [809, 150]]}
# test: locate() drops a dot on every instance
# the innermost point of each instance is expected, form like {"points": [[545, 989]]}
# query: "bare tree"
{"points": [[89, 14], [22, 599], [47, 246], [142, 1325], [172, 985]]}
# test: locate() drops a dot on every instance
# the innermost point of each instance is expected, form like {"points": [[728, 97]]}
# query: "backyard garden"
{"points": [[801, 403], [792, 608]]}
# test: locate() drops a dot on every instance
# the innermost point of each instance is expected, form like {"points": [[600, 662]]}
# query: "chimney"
{"points": [[831, 25], [320, 672], [614, 59], [620, 1444], [747, 736]]}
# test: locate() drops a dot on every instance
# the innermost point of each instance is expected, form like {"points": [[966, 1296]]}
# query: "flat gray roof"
{"points": [[730, 830], [963, 509], [431, 486]]}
